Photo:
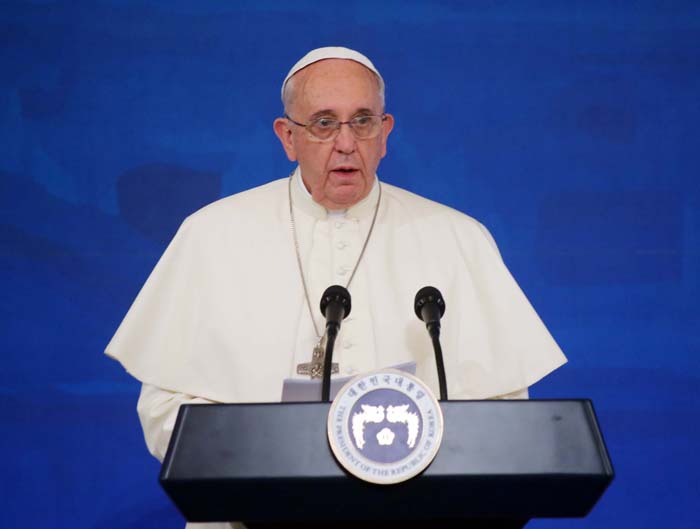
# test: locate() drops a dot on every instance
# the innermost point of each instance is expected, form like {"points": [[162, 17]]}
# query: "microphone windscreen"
{"points": [[428, 295], [338, 294]]}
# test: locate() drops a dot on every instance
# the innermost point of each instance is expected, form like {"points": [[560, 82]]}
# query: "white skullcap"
{"points": [[331, 52]]}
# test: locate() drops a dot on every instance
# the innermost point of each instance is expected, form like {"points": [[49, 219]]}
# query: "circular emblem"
{"points": [[385, 426]]}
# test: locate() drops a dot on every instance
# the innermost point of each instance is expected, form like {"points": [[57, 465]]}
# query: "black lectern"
{"points": [[500, 464]]}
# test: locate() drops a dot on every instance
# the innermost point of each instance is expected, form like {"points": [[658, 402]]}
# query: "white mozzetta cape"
{"points": [[223, 314]]}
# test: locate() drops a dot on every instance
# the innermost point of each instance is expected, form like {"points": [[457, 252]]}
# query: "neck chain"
{"points": [[298, 253]]}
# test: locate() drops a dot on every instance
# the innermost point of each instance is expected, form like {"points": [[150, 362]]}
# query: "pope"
{"points": [[229, 312]]}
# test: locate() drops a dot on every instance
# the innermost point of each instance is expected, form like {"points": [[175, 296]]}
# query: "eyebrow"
{"points": [[321, 113], [329, 112]]}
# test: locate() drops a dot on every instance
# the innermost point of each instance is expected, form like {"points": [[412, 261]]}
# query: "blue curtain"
{"points": [[570, 129]]}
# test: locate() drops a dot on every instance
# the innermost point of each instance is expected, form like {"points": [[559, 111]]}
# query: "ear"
{"points": [[284, 133], [387, 127]]}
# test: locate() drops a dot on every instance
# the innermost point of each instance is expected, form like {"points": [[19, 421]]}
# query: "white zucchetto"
{"points": [[330, 52]]}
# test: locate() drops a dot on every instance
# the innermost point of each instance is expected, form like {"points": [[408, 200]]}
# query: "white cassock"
{"points": [[223, 316]]}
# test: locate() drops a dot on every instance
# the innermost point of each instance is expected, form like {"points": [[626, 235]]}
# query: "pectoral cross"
{"points": [[315, 368]]}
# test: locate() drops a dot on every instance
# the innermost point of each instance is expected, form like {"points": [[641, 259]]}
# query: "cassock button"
{"points": [[342, 270], [341, 245], [338, 224], [347, 345]]}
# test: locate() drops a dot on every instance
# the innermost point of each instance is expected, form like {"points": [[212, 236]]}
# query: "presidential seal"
{"points": [[385, 426]]}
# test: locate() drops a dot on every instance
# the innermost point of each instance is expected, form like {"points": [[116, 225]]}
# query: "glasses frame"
{"points": [[337, 129]]}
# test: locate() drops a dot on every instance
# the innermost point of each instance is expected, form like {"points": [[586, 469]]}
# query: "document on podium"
{"points": [[309, 390]]}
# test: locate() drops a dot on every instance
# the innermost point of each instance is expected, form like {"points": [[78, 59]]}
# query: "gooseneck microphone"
{"points": [[335, 307], [430, 307]]}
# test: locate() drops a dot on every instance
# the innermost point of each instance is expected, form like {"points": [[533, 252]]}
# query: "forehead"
{"points": [[338, 85]]}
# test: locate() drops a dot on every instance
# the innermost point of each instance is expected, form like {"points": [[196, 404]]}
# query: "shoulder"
{"points": [[244, 218], [420, 211], [250, 205]]}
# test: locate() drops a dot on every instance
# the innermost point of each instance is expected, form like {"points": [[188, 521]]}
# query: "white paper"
{"points": [[309, 390]]}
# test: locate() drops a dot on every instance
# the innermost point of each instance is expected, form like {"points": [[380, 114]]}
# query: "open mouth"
{"points": [[344, 170]]}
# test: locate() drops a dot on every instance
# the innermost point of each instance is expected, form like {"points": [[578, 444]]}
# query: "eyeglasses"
{"points": [[363, 127]]}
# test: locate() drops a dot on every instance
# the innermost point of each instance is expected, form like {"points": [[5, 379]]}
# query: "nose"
{"points": [[345, 140]]}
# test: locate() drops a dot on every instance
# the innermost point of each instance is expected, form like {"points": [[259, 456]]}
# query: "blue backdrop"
{"points": [[569, 128]]}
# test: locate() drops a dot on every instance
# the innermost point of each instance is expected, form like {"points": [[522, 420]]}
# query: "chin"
{"points": [[347, 197]]}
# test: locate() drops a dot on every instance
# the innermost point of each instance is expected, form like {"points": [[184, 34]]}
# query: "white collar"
{"points": [[303, 200]]}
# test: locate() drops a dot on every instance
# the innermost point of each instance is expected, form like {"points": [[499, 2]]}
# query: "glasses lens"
{"points": [[363, 127], [366, 127], [323, 128]]}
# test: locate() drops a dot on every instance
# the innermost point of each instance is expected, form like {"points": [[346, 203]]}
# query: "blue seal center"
{"points": [[385, 425]]}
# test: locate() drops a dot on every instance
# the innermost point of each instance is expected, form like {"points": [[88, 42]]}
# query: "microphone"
{"points": [[335, 307], [430, 307]]}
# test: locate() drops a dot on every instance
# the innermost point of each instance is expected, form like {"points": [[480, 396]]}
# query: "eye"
{"points": [[325, 123], [362, 121]]}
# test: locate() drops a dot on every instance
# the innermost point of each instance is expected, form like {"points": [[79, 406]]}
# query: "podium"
{"points": [[500, 464]]}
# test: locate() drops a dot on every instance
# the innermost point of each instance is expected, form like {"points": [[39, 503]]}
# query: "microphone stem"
{"points": [[434, 330], [331, 334]]}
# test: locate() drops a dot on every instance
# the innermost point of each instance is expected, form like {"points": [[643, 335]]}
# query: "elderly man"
{"points": [[228, 313]]}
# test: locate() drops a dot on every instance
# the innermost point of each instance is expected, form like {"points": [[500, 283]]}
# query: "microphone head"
{"points": [[338, 294], [428, 295]]}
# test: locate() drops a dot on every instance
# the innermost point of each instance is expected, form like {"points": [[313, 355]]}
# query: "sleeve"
{"points": [[157, 409]]}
